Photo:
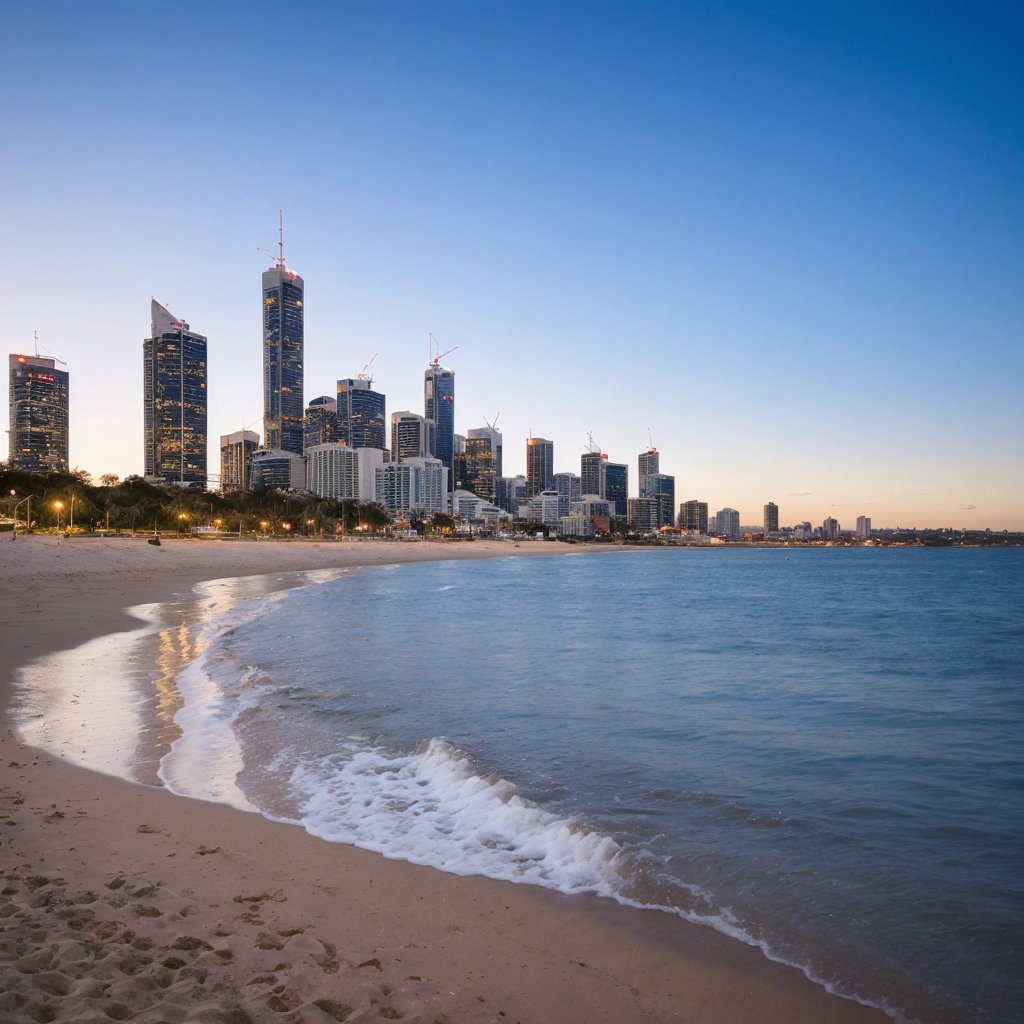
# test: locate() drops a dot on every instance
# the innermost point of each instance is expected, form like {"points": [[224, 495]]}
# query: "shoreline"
{"points": [[299, 929]]}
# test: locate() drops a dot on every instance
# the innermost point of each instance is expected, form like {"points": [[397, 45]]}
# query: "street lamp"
{"points": [[287, 527], [182, 518], [58, 507]]}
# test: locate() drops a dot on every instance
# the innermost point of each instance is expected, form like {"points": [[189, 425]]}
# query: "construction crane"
{"points": [[35, 336], [279, 258], [494, 425], [362, 374], [591, 447], [650, 443], [434, 346]]}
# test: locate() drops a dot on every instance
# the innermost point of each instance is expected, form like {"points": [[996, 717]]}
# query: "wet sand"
{"points": [[120, 901]]}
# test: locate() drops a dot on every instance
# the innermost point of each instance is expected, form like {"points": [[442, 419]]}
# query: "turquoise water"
{"points": [[818, 751]]}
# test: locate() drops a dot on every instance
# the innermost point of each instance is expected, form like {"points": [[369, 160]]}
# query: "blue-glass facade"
{"points": [[38, 392], [174, 399], [616, 486], [283, 333], [663, 487], [361, 420], [439, 410]]}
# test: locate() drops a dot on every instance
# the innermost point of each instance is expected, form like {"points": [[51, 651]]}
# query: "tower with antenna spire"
{"points": [[283, 344], [38, 435]]}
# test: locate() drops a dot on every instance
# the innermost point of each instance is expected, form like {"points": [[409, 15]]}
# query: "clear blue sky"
{"points": [[784, 237]]}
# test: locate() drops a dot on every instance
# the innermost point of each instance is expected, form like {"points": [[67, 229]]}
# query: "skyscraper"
{"points": [[283, 333], [320, 424], [771, 518], [593, 466], [540, 458], [408, 436], [38, 438], [616, 485], [483, 461], [236, 452], [174, 395], [361, 421], [864, 527], [568, 487], [648, 466], [693, 516], [663, 487], [727, 523], [439, 412]]}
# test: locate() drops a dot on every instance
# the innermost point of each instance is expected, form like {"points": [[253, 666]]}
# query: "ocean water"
{"points": [[820, 752]]}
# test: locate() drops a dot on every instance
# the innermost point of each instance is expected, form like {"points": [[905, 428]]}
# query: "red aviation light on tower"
{"points": [[22, 359]]}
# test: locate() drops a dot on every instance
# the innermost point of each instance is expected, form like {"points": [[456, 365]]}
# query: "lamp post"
{"points": [[28, 516], [182, 519], [58, 507]]}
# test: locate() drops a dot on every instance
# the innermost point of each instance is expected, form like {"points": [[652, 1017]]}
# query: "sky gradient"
{"points": [[784, 238]]}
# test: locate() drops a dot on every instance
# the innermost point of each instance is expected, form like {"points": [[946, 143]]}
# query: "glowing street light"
{"points": [[58, 507]]}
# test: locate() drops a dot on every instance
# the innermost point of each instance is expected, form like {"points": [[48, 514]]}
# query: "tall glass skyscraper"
{"points": [[361, 422], [439, 411], [616, 485], [540, 458], [174, 395], [648, 463], [283, 334], [38, 438]]}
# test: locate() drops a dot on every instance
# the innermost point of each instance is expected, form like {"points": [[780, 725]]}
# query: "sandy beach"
{"points": [[121, 901]]}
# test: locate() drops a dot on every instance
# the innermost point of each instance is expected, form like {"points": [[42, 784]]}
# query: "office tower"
{"points": [[320, 424], [568, 487], [830, 529], [174, 399], [727, 523], [343, 473], [510, 493], [275, 469], [771, 519], [541, 508], [642, 514], [540, 457], [361, 420], [236, 452], [864, 527], [283, 333], [593, 467], [417, 486], [662, 486], [408, 436], [693, 516], [616, 485], [439, 412], [649, 465], [38, 392], [483, 461]]}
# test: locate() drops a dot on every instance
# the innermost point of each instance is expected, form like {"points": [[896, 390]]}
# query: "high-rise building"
{"points": [[693, 516], [408, 436], [568, 487], [771, 519], [727, 523], [864, 527], [648, 465], [662, 486], [413, 487], [236, 452], [483, 461], [343, 473], [593, 467], [540, 459], [642, 514], [174, 399], [38, 392], [541, 508], [510, 493], [830, 529], [275, 469], [283, 334], [320, 424], [616, 485], [439, 412], [361, 420]]}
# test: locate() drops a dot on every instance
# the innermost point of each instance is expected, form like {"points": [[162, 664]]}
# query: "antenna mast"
{"points": [[280, 238]]}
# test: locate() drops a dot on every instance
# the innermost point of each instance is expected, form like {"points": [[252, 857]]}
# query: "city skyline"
{"points": [[786, 243]]}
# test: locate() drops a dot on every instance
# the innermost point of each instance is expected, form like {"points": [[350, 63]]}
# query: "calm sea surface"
{"points": [[818, 751]]}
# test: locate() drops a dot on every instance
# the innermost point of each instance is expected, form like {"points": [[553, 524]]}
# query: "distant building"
{"points": [[576, 526], [727, 523], [662, 486], [598, 510], [320, 423], [540, 458], [236, 452], [439, 412], [593, 467], [471, 508], [414, 487], [616, 485], [361, 422], [864, 527], [771, 519], [38, 436], [409, 438], [541, 508], [483, 451], [830, 529], [343, 473], [276, 469], [568, 487], [642, 514], [510, 493], [648, 465], [283, 335], [174, 400], [693, 516]]}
